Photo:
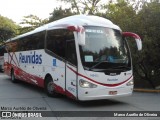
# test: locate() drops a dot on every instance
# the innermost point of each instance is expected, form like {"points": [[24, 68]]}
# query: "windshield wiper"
{"points": [[96, 65], [110, 68], [120, 67]]}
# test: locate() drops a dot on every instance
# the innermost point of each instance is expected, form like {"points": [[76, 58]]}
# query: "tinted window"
{"points": [[71, 52], [32, 42], [38, 40], [56, 41], [2, 50], [104, 48]]}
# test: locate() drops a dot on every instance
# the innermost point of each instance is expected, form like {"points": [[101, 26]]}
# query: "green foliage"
{"points": [[122, 14], [8, 28], [31, 22], [59, 13], [84, 6], [148, 26]]}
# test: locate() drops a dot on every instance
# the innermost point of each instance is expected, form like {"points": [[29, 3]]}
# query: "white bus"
{"points": [[83, 57]]}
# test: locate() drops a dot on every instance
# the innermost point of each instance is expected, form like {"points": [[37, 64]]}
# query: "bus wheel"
{"points": [[49, 87], [13, 79]]}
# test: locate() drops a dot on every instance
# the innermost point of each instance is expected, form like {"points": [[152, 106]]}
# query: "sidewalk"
{"points": [[146, 90]]}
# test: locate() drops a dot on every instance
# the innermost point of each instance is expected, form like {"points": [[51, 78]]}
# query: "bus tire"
{"points": [[49, 87], [13, 79]]}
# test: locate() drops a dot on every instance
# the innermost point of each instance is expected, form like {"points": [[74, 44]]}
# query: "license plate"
{"points": [[112, 92]]}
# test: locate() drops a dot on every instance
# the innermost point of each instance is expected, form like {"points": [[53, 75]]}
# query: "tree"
{"points": [[31, 22], [8, 29], [144, 22], [148, 26], [122, 14], [84, 6], [59, 13], [138, 4]]}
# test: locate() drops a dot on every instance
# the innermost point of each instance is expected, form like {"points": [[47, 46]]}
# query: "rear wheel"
{"points": [[13, 79], [49, 87]]}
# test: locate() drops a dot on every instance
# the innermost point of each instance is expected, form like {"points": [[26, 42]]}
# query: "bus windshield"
{"points": [[104, 49]]}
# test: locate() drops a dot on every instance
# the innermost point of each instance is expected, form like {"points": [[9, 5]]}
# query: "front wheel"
{"points": [[49, 87]]}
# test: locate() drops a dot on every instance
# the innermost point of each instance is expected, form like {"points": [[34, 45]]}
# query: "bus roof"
{"points": [[75, 20]]}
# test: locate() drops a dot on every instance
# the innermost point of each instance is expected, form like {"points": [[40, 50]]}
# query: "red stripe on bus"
{"points": [[108, 85], [24, 76]]}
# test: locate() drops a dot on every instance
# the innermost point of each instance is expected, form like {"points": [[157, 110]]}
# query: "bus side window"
{"points": [[50, 40], [59, 48], [56, 42], [32, 42], [38, 40], [71, 52], [61, 42]]}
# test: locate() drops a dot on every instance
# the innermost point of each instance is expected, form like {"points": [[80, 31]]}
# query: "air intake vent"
{"points": [[112, 73]]}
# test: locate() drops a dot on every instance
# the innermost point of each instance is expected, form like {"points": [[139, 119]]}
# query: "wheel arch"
{"points": [[47, 81], [46, 76]]}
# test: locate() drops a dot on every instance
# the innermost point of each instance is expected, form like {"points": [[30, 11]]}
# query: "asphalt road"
{"points": [[24, 96]]}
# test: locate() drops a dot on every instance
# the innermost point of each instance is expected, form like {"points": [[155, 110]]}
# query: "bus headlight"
{"points": [[131, 82], [86, 84]]}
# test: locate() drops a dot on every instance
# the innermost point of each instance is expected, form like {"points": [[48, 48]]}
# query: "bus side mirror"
{"points": [[81, 36], [137, 38], [80, 33]]}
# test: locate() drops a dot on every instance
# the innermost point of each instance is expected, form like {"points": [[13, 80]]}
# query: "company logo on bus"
{"points": [[114, 79], [31, 58]]}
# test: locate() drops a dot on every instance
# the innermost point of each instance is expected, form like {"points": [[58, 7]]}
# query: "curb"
{"points": [[147, 90]]}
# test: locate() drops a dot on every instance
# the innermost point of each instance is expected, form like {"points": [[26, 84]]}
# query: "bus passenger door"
{"points": [[71, 69]]}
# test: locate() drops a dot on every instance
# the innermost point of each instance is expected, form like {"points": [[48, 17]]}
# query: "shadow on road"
{"points": [[90, 104], [94, 103]]}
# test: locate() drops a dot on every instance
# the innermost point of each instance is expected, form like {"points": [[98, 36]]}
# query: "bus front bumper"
{"points": [[104, 93]]}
